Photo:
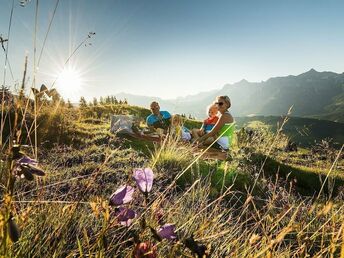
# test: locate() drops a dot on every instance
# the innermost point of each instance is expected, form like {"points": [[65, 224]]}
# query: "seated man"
{"points": [[158, 119]]}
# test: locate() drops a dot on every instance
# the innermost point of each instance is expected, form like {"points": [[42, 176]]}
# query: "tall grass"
{"points": [[66, 214]]}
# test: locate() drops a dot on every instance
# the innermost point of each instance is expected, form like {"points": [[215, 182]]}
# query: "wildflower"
{"points": [[167, 231], [145, 249], [144, 179], [125, 216], [32, 169], [27, 160], [123, 195], [27, 167]]}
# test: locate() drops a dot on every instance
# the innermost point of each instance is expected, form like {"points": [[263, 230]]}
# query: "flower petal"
{"points": [[122, 195], [167, 231], [27, 160], [33, 169], [145, 249], [144, 179], [125, 216]]}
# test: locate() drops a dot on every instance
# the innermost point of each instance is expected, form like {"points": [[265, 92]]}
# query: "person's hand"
{"points": [[199, 142], [203, 138], [195, 142]]}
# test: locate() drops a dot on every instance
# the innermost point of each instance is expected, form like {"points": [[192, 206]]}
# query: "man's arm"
{"points": [[150, 125]]}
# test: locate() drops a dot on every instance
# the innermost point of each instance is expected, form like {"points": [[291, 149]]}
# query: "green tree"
{"points": [[69, 104], [115, 100], [82, 102], [95, 102]]}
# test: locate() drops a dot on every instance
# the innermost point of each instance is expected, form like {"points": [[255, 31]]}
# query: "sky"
{"points": [[168, 48]]}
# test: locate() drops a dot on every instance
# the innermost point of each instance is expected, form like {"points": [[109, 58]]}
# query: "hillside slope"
{"points": [[304, 131]]}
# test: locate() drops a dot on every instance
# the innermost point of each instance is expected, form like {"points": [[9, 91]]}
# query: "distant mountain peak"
{"points": [[311, 72], [243, 81]]}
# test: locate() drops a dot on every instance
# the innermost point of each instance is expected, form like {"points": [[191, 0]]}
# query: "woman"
{"points": [[224, 126]]}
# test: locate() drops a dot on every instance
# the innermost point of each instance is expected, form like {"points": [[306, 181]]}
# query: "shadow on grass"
{"points": [[146, 147], [221, 175], [308, 181]]}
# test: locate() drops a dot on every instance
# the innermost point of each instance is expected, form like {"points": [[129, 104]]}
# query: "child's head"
{"points": [[176, 120], [212, 110]]}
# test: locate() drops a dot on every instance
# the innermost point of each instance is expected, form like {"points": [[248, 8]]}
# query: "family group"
{"points": [[216, 130]]}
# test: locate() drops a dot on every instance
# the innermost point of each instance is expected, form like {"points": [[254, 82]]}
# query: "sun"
{"points": [[69, 82]]}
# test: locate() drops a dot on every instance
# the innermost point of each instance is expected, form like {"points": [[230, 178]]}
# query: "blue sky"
{"points": [[174, 48]]}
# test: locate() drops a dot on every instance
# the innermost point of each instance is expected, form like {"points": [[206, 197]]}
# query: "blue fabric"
{"points": [[185, 129], [208, 127], [152, 119]]}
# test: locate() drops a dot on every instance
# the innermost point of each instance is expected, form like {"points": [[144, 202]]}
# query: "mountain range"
{"points": [[311, 94]]}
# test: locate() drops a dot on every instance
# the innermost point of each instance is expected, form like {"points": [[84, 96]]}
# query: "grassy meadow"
{"points": [[260, 202]]}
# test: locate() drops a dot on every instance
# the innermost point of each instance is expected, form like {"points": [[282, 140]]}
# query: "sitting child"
{"points": [[208, 124], [178, 129]]}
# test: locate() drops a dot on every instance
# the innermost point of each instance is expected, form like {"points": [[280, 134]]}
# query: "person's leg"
{"points": [[209, 140], [195, 133]]}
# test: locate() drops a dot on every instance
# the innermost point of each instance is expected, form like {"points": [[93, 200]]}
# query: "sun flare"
{"points": [[69, 82]]}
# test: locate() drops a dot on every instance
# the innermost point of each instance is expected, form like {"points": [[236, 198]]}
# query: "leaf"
{"points": [[43, 88], [195, 247], [28, 176], [35, 91], [33, 170], [80, 247], [13, 230]]}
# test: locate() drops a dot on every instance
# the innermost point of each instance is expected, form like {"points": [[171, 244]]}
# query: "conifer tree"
{"points": [[82, 102], [95, 102], [69, 104]]}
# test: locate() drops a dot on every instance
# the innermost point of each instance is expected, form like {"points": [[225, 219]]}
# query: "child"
{"points": [[178, 129], [208, 124]]}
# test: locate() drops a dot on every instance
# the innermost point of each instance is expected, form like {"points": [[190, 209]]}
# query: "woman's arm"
{"points": [[202, 127], [226, 118]]}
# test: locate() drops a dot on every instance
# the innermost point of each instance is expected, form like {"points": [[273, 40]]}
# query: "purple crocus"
{"points": [[27, 161], [123, 195], [125, 216], [144, 179], [167, 231], [27, 167]]}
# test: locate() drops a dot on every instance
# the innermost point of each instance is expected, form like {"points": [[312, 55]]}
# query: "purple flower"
{"points": [[125, 216], [32, 169], [145, 249], [167, 231], [144, 179], [27, 160], [26, 167], [124, 194]]}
